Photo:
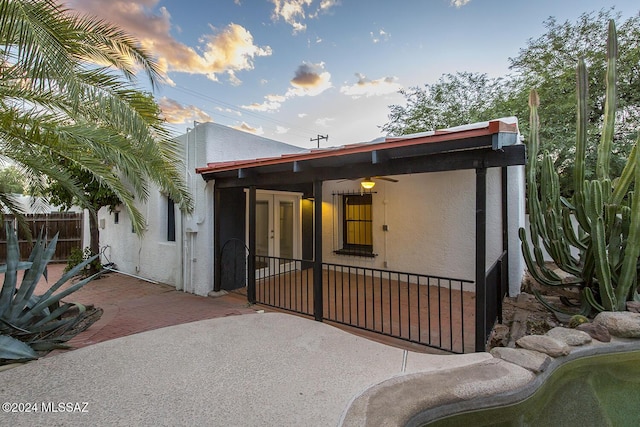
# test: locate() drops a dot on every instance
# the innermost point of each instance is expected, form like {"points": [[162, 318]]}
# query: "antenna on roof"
{"points": [[319, 137]]}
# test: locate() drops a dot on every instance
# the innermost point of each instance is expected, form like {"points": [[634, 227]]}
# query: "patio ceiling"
{"points": [[482, 145]]}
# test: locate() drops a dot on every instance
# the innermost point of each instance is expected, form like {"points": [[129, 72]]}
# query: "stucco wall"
{"points": [[186, 263], [431, 224]]}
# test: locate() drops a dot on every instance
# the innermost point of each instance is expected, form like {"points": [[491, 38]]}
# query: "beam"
{"points": [[459, 160]]}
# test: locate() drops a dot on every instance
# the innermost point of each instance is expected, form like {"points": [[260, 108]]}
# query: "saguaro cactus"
{"points": [[606, 241]]}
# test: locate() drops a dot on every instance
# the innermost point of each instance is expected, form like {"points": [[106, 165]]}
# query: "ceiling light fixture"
{"points": [[367, 183]]}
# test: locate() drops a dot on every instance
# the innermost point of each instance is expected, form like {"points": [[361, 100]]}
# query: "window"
{"points": [[171, 221], [357, 225], [116, 217]]}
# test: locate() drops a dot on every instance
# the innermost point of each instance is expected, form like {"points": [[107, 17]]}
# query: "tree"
{"points": [[605, 207], [70, 108], [96, 196], [11, 180], [455, 99], [547, 64]]}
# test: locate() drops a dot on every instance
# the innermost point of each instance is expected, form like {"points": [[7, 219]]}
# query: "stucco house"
{"points": [[177, 249], [412, 237]]}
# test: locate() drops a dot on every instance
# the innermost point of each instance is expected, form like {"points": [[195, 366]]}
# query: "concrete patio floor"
{"points": [[153, 360]]}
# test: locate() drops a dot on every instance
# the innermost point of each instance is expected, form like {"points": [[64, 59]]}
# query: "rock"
{"points": [[518, 326], [570, 336], [499, 336], [534, 361], [633, 306], [623, 324], [544, 344], [596, 331]]}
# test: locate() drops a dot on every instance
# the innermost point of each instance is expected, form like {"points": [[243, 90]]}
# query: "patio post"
{"points": [[251, 262], [481, 250], [504, 283], [317, 251], [217, 256]]}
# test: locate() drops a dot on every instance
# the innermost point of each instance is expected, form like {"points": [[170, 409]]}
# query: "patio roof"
{"points": [[486, 144]]}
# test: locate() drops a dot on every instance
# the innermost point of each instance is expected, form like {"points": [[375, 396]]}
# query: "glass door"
{"points": [[277, 232]]}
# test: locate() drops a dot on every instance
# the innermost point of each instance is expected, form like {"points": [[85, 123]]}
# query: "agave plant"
{"points": [[30, 323], [606, 209]]}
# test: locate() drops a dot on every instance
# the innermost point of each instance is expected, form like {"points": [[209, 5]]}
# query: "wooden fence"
{"points": [[67, 224]]}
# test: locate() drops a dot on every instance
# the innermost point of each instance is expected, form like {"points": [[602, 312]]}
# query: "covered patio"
{"points": [[435, 310]]}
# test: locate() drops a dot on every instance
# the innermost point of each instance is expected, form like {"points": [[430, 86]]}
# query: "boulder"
{"points": [[534, 361], [623, 324], [568, 336], [544, 344], [596, 331], [633, 306]]}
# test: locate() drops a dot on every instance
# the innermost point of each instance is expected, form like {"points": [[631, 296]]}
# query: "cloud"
{"points": [[324, 121], [226, 50], [295, 12], [309, 79], [459, 3], [280, 130], [176, 113], [246, 128], [271, 103], [366, 87], [380, 35]]}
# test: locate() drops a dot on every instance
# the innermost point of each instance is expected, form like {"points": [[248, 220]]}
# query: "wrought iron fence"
{"points": [[284, 283], [429, 310], [434, 311]]}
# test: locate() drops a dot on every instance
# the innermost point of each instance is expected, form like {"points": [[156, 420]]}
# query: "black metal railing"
{"points": [[285, 283], [429, 310], [496, 290]]}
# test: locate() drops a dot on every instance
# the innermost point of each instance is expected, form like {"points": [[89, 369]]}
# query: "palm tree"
{"points": [[68, 96]]}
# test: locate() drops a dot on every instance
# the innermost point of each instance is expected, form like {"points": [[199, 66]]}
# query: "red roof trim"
{"points": [[493, 127]]}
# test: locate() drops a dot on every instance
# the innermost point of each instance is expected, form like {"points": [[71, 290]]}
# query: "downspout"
{"points": [[183, 241]]}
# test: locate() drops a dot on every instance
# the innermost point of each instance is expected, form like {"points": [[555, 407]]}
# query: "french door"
{"points": [[278, 232]]}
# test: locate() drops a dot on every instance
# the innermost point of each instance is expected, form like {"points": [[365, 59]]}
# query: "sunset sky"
{"points": [[293, 69]]}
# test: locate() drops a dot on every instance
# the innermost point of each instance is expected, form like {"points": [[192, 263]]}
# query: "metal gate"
{"points": [[68, 225], [233, 268]]}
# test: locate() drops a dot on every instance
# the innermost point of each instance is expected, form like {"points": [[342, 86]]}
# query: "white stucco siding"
{"points": [[430, 220], [431, 224], [188, 262], [150, 256], [494, 216], [516, 204]]}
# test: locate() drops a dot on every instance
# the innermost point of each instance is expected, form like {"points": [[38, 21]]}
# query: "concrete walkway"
{"points": [[255, 370], [152, 361]]}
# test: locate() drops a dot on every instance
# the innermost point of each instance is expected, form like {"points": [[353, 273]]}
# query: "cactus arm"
{"points": [[582, 117], [569, 232], [591, 299], [532, 265], [625, 179], [629, 271], [604, 148], [602, 269]]}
